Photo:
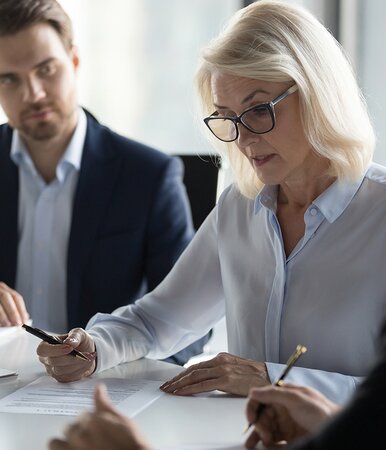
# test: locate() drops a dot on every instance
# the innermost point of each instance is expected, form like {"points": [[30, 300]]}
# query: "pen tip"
{"points": [[247, 427]]}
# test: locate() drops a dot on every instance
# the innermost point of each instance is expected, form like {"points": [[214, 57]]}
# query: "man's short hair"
{"points": [[16, 15]]}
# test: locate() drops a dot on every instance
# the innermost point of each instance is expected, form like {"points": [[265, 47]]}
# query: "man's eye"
{"points": [[7, 80], [47, 69]]}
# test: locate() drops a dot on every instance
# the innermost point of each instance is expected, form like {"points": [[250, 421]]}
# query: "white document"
{"points": [[6, 373], [47, 396], [10, 331], [6, 331]]}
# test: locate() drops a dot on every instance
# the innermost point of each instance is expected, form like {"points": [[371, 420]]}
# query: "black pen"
{"points": [[52, 340], [300, 349]]}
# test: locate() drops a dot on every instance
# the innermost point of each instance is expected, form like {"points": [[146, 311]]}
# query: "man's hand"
{"points": [[64, 367], [225, 372], [105, 428], [12, 307], [290, 413]]}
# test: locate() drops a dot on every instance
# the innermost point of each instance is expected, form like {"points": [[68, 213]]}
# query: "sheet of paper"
{"points": [[6, 331], [9, 331], [6, 373], [47, 396]]}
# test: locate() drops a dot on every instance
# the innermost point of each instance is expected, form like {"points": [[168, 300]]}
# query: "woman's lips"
{"points": [[259, 161]]}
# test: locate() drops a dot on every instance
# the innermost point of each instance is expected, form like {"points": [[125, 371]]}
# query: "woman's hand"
{"points": [[225, 373], [64, 367], [105, 428], [290, 413]]}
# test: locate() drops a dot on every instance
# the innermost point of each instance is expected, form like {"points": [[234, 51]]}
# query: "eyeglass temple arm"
{"points": [[285, 94]]}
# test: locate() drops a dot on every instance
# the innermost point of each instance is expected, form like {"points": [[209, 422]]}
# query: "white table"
{"points": [[203, 422]]}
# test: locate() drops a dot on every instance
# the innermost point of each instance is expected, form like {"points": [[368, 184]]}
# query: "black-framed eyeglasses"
{"points": [[258, 119]]}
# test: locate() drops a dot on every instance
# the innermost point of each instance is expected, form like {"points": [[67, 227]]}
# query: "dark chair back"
{"points": [[200, 179]]}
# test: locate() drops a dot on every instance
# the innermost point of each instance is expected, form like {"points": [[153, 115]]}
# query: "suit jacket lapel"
{"points": [[95, 185], [9, 195]]}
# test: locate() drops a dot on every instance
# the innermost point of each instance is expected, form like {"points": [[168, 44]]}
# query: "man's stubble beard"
{"points": [[46, 130], [41, 132]]}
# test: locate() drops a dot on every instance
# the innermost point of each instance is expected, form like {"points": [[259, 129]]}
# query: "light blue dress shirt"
{"points": [[328, 294], [44, 221]]}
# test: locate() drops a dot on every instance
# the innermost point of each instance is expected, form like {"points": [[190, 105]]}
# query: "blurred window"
{"points": [[371, 65], [138, 59]]}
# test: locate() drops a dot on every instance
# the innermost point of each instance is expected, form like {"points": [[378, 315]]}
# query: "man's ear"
{"points": [[74, 55]]}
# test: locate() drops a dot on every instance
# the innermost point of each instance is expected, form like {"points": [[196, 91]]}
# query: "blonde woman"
{"points": [[294, 252]]}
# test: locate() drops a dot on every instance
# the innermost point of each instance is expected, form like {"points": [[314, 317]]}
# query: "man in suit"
{"points": [[90, 220]]}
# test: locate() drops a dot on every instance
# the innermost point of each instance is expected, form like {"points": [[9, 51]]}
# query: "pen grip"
{"points": [[259, 411], [261, 407], [52, 340]]}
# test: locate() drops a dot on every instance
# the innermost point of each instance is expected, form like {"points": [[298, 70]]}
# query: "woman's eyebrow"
{"points": [[252, 94], [246, 99]]}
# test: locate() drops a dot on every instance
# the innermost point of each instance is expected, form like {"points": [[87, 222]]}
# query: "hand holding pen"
{"points": [[291, 412], [300, 349], [54, 340], [68, 358]]}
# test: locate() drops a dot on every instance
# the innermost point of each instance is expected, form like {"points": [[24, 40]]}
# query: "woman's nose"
{"points": [[246, 137]]}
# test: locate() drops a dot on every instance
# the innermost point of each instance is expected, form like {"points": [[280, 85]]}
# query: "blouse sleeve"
{"points": [[337, 387], [183, 308]]}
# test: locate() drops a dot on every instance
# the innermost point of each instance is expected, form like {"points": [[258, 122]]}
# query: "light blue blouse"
{"points": [[329, 294]]}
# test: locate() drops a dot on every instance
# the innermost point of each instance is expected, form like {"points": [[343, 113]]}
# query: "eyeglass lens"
{"points": [[258, 119], [223, 128]]}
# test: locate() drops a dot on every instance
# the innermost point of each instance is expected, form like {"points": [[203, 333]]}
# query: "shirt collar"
{"points": [[267, 197], [71, 157], [335, 199], [332, 202]]}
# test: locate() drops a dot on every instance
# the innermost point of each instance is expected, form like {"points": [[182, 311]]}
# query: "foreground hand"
{"points": [[225, 372], [12, 307], [291, 412], [105, 428], [64, 367]]}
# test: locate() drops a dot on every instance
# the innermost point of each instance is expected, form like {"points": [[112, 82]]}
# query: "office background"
{"points": [[138, 59]]}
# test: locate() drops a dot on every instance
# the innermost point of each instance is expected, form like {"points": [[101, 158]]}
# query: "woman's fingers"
{"points": [[225, 372]]}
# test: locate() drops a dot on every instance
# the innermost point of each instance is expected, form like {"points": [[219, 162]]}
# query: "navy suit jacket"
{"points": [[130, 222]]}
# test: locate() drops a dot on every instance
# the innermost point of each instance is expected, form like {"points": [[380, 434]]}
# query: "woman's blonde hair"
{"points": [[279, 42]]}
